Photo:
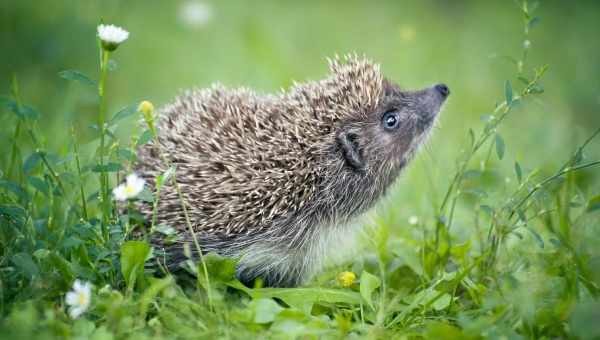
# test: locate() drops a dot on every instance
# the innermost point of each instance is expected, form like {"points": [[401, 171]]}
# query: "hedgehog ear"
{"points": [[348, 144]]}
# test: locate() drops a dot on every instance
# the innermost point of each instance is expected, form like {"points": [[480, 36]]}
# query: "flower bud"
{"points": [[147, 110]]}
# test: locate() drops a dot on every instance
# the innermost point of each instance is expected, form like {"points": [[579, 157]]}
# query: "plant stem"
{"points": [[53, 173], [538, 186], [154, 212], [101, 121], [194, 238], [17, 97], [78, 164], [185, 213], [13, 155]]}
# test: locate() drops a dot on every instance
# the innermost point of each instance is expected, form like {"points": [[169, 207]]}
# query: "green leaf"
{"points": [[442, 302], [368, 284], [536, 88], [157, 285], [555, 242], [77, 76], [166, 229], [593, 204], [519, 172], [486, 118], [8, 103], [164, 177], [39, 184], [110, 167], [220, 269], [146, 195], [25, 263], [124, 113], [15, 212], [537, 237], [487, 209], [63, 267], [264, 310], [15, 189], [524, 80], [471, 137], [23, 112], [470, 174], [301, 298], [126, 155], [475, 191], [500, 146], [133, 256], [145, 138], [533, 22], [443, 331], [28, 112], [508, 93], [460, 251], [522, 216]]}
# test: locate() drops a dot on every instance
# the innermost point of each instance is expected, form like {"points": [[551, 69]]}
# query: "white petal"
{"points": [[138, 186], [135, 184], [86, 288], [112, 34], [71, 298], [77, 285], [120, 193], [75, 312], [132, 178]]}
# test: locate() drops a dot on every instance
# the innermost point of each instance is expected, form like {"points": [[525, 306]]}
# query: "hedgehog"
{"points": [[276, 181]]}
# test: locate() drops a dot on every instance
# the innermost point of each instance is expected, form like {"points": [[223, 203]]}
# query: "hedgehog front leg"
{"points": [[276, 265]]}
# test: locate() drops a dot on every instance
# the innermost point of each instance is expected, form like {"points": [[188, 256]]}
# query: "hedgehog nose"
{"points": [[442, 89]]}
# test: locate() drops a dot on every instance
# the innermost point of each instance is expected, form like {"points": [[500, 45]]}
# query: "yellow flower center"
{"points": [[129, 190], [81, 298]]}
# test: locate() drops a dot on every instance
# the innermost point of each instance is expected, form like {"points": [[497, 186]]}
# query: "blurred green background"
{"points": [[266, 45]]}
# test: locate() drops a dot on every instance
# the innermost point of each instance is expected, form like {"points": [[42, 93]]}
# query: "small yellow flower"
{"points": [[147, 109], [346, 279]]}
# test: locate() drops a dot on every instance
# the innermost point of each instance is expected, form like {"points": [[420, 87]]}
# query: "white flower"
{"points": [[195, 13], [112, 36], [413, 220], [79, 298], [132, 187]]}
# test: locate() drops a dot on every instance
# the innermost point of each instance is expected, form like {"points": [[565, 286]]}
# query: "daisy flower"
{"points": [[79, 298], [111, 36], [131, 188]]}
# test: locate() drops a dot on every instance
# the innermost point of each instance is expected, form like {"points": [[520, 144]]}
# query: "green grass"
{"points": [[503, 204]]}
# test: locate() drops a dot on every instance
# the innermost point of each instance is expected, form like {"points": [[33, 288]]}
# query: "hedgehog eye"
{"points": [[390, 120]]}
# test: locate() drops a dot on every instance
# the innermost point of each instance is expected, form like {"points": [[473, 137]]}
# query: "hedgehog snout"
{"points": [[442, 89], [431, 100]]}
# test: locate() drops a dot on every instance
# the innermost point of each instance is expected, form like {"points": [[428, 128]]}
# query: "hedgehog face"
{"points": [[389, 136]]}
